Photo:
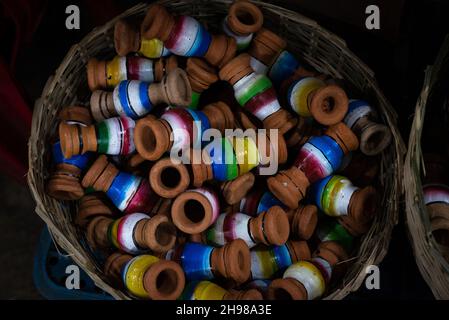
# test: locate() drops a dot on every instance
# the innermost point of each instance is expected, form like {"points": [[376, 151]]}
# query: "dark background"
{"points": [[410, 36]]}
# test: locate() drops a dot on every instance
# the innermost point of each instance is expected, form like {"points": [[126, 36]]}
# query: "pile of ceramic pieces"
{"points": [[221, 223]]}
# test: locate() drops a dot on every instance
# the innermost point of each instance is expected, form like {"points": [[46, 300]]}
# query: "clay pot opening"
{"points": [[148, 138], [194, 211], [245, 18], [166, 282], [170, 177], [281, 294], [165, 233], [328, 105], [375, 139]]}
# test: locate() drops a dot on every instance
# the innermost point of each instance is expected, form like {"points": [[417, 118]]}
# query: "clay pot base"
{"points": [[281, 120], [289, 186], [113, 268], [174, 89], [234, 191], [375, 139], [244, 18], [168, 179], [63, 187], [344, 136], [201, 75], [158, 23], [303, 221], [328, 105], [90, 207], [96, 74], [332, 252], [299, 250], [126, 38], [164, 280], [232, 261], [286, 289], [236, 69], [192, 212], [266, 46], [363, 205], [157, 233], [221, 50], [271, 227]]}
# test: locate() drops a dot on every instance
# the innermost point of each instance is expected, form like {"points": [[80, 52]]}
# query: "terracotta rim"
{"points": [[164, 280], [158, 180], [182, 217], [286, 289], [151, 138], [375, 139], [321, 108], [247, 8]]}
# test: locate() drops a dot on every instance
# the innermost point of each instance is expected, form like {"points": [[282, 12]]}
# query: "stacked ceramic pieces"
{"points": [[271, 207]]}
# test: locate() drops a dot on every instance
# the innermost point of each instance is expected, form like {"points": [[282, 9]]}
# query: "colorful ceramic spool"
{"points": [[195, 210], [374, 137], [227, 158], [203, 262], [64, 182], [129, 193], [206, 290], [134, 99], [302, 280], [242, 21], [108, 74], [338, 197], [127, 39], [179, 128], [312, 97], [435, 194], [255, 94], [185, 36], [316, 159], [134, 233], [270, 227], [146, 276], [269, 261], [302, 220], [114, 136], [201, 76]]}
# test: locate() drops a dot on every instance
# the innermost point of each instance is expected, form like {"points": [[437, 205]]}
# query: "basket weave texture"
{"points": [[306, 39], [432, 265]]}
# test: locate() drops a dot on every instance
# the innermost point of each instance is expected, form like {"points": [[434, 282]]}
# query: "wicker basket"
{"points": [[434, 268], [316, 46]]}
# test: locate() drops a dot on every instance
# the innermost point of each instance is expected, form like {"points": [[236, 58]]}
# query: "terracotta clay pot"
{"points": [[361, 211], [159, 23], [251, 294], [232, 261], [266, 46], [195, 210], [235, 190], [244, 18], [261, 103], [303, 221], [286, 289], [64, 181], [201, 75], [270, 227], [126, 38], [168, 179], [290, 185], [160, 280]]}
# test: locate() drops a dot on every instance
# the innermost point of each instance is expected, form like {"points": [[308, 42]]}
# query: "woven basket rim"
{"points": [[432, 265], [374, 245]]}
